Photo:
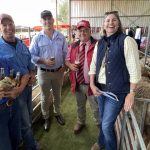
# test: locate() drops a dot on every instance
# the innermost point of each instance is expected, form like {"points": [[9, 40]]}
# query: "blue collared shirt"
{"points": [[18, 58], [44, 47]]}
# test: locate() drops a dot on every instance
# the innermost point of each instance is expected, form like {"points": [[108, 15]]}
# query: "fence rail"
{"points": [[128, 132]]}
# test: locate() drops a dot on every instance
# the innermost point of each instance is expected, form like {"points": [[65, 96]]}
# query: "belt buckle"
{"points": [[9, 102]]}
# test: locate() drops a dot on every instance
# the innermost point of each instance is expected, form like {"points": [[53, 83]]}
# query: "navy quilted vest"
{"points": [[117, 76]]}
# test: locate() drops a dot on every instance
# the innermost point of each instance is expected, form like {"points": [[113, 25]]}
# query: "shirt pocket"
{"points": [[44, 49]]}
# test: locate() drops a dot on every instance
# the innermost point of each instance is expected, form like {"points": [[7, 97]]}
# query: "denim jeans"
{"points": [[25, 103], [109, 110], [10, 127]]}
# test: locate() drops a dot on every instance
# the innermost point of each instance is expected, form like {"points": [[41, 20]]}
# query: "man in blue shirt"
{"points": [[48, 50], [9, 116], [18, 57]]}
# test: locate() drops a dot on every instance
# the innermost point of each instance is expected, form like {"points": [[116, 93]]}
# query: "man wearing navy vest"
{"points": [[78, 60]]}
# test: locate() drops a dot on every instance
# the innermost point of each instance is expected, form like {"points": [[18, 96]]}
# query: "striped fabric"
{"points": [[80, 73]]}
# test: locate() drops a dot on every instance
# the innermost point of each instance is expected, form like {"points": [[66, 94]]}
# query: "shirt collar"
{"points": [[87, 43], [54, 34]]}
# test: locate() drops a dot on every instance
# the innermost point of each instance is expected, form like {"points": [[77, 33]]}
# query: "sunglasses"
{"points": [[111, 12]]}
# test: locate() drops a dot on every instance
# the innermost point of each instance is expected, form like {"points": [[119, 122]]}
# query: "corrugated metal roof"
{"points": [[132, 12]]}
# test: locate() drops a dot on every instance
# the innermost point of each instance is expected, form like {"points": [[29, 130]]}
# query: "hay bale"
{"points": [[143, 91], [144, 71], [143, 88]]}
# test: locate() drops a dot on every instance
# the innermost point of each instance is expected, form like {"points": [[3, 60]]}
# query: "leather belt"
{"points": [[50, 70], [6, 105]]}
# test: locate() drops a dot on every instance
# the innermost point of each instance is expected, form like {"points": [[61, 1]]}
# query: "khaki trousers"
{"points": [[81, 99], [48, 81]]}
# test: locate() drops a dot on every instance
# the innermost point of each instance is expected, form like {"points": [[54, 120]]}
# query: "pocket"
{"points": [[45, 50], [121, 98], [43, 46]]}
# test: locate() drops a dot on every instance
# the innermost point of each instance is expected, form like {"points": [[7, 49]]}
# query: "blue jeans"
{"points": [[25, 103], [10, 127], [109, 110]]}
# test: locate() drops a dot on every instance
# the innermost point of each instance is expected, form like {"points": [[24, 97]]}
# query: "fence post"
{"points": [[122, 130]]}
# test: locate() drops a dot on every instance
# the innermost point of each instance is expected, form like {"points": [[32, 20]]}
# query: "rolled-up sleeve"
{"points": [[132, 59], [93, 62]]}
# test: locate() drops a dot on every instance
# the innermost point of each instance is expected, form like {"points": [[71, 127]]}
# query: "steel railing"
{"points": [[129, 134]]}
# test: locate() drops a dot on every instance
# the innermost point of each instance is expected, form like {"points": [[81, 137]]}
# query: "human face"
{"points": [[111, 24], [7, 28], [84, 34], [48, 22]]}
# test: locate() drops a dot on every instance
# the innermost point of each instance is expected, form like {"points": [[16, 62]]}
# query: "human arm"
{"points": [[92, 73], [64, 51], [46, 61], [129, 100], [93, 87], [71, 66], [32, 78], [133, 66]]}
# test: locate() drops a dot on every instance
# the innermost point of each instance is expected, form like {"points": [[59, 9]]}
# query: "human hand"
{"points": [[32, 78], [13, 93], [95, 90], [62, 69], [129, 101], [74, 67], [50, 62]]}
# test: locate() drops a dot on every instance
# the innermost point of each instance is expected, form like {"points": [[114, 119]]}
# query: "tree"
{"points": [[63, 11]]}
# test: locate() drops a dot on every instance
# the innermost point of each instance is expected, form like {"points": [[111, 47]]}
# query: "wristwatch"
{"points": [[132, 90]]}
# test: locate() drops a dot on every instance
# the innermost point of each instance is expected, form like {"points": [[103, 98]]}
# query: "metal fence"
{"points": [[129, 134]]}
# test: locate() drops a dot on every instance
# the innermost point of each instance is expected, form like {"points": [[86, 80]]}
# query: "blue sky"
{"points": [[27, 12]]}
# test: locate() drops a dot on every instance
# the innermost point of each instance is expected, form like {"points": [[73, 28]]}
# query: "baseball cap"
{"points": [[46, 13], [83, 23], [5, 16]]}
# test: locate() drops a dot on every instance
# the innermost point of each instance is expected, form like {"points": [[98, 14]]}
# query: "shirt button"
{"points": [[108, 72]]}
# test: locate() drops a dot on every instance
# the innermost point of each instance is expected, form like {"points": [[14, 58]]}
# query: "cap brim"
{"points": [[5, 16]]}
